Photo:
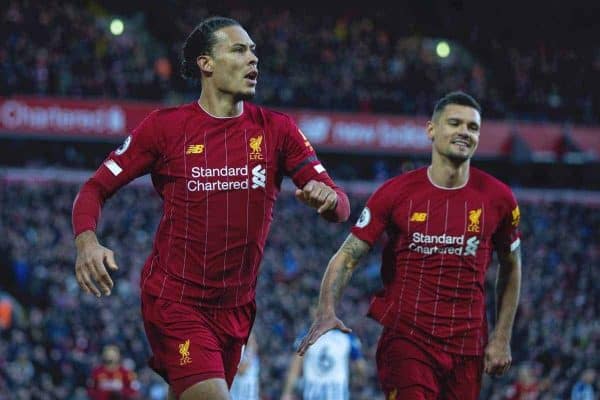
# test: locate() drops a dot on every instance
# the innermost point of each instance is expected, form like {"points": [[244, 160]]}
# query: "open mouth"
{"points": [[251, 76]]}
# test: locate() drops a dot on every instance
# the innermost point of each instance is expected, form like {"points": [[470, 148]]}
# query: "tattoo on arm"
{"points": [[353, 249]]}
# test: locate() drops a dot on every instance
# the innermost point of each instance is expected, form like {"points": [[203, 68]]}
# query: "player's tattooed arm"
{"points": [[348, 256], [336, 278], [339, 271], [355, 249]]}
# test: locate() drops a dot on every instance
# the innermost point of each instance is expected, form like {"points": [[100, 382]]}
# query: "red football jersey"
{"points": [[218, 178], [434, 264], [523, 391], [108, 384]]}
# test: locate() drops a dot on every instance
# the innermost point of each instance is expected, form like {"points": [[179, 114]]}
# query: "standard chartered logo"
{"points": [[259, 177], [444, 244], [226, 178]]}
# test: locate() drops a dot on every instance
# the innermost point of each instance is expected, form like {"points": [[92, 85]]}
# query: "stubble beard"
{"points": [[458, 158], [455, 157], [244, 96]]}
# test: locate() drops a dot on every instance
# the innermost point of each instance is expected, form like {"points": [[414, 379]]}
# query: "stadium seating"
{"points": [[353, 61]]}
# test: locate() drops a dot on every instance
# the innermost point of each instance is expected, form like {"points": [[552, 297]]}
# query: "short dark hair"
{"points": [[458, 97], [201, 41]]}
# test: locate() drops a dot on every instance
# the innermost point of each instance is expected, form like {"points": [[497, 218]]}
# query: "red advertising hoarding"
{"points": [[67, 117], [111, 120]]}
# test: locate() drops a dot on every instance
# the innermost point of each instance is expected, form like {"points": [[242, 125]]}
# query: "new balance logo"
{"points": [[471, 247], [195, 149], [259, 177], [418, 217]]}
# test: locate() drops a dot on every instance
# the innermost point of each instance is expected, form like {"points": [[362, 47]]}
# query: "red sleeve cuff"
{"points": [[341, 212], [86, 208]]}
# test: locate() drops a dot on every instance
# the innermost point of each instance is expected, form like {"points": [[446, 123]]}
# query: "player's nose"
{"points": [[253, 59], [463, 131]]}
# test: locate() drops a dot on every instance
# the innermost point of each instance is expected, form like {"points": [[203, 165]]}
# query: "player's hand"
{"points": [[317, 195], [497, 358], [321, 325], [91, 263]]}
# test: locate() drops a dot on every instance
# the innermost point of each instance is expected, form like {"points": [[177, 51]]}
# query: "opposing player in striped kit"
{"points": [[246, 384], [218, 164], [323, 373], [442, 223]]}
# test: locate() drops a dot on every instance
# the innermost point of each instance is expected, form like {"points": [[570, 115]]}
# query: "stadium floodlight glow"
{"points": [[442, 49], [116, 27]]}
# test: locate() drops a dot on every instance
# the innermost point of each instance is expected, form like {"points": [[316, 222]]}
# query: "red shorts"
{"points": [[408, 370], [191, 344]]}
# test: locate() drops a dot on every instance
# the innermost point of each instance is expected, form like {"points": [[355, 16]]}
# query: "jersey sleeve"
{"points": [[508, 236], [376, 215], [300, 160], [134, 158], [302, 165]]}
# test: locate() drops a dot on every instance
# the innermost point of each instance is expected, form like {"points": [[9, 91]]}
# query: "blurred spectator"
{"points": [[527, 386], [584, 387], [11, 312], [112, 380]]}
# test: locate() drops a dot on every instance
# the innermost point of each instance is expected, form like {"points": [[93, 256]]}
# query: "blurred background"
{"points": [[76, 77]]}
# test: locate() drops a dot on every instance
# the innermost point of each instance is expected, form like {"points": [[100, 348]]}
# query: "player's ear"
{"points": [[429, 130], [205, 63]]}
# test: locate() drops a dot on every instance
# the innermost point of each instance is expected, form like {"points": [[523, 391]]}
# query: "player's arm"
{"points": [[338, 274], [330, 201], [315, 187], [507, 244], [133, 159], [508, 285], [291, 380]]}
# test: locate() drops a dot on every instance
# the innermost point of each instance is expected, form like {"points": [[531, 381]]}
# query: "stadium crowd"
{"points": [[355, 60], [54, 336]]}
